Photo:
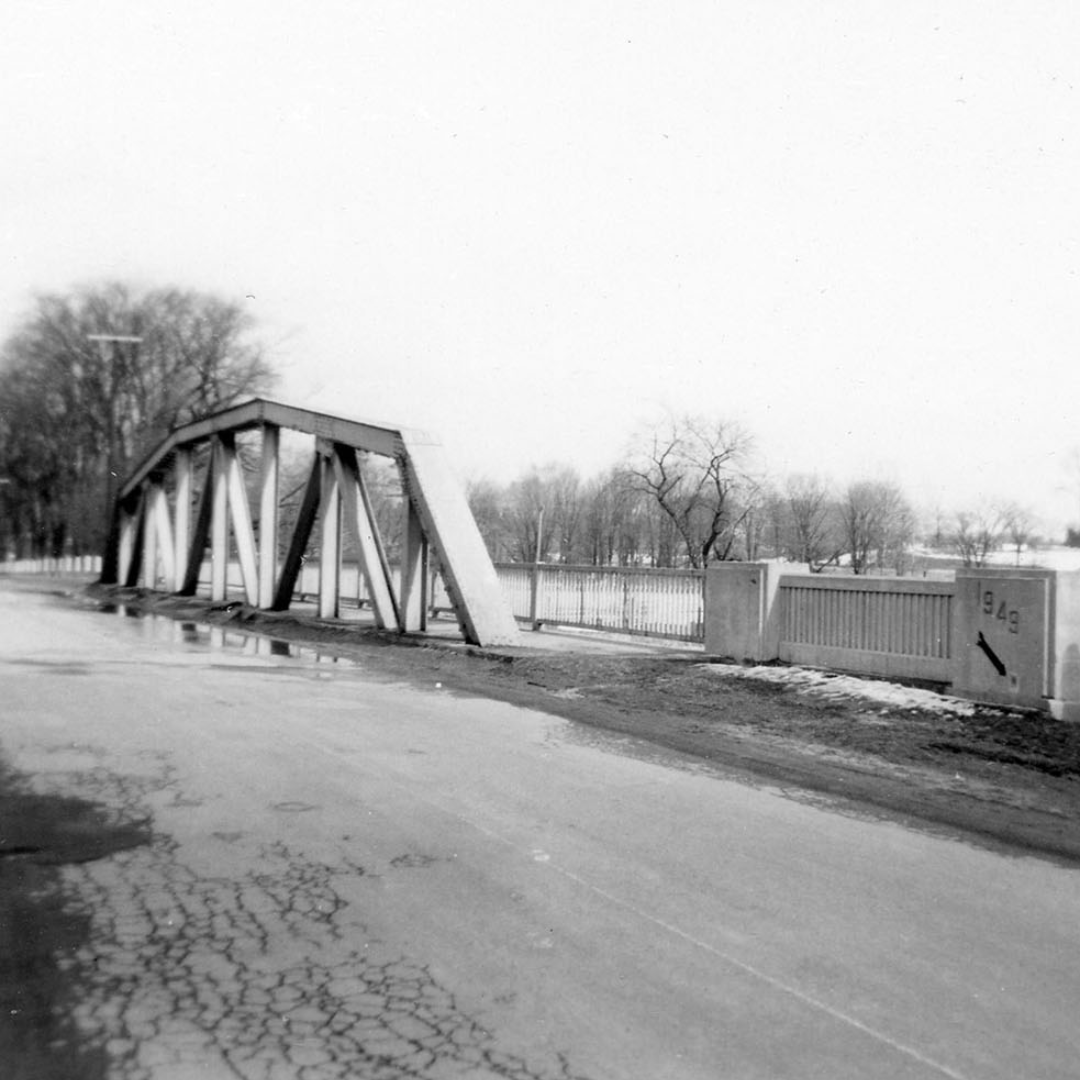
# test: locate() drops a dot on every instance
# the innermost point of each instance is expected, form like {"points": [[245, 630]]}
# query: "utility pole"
{"points": [[107, 344], [534, 599]]}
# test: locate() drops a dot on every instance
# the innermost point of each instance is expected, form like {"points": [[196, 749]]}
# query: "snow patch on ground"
{"points": [[846, 688]]}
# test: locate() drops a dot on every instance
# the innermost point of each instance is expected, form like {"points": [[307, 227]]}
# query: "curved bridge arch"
{"points": [[162, 527]]}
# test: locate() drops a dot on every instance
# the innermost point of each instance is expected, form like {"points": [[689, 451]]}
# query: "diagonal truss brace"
{"points": [[359, 519]]}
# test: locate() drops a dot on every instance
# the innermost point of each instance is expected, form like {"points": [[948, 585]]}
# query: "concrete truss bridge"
{"points": [[191, 494]]}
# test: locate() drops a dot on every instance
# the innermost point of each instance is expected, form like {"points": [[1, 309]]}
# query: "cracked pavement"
{"points": [[262, 975], [346, 876]]}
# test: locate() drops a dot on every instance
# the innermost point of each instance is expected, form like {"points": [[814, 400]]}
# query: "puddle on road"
{"points": [[207, 638]]}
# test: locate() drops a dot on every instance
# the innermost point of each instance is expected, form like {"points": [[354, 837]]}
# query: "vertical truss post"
{"points": [[182, 530], [159, 538], [330, 545], [240, 515], [414, 572], [219, 526], [129, 528], [268, 514], [150, 537], [359, 518]]}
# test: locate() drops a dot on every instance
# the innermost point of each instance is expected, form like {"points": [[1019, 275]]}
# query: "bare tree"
{"points": [[1018, 525], [487, 501], [879, 525], [694, 470], [80, 411], [543, 513], [814, 533], [975, 534], [611, 520]]}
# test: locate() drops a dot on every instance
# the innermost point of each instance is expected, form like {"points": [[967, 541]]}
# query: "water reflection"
{"points": [[205, 637], [120, 609]]}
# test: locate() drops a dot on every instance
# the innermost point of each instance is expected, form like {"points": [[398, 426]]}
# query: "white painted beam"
{"points": [[375, 437], [162, 528], [182, 531], [468, 573], [219, 526], [150, 537], [240, 516], [129, 525]]}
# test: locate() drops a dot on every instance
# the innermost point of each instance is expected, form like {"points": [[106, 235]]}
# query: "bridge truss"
{"points": [[165, 520]]}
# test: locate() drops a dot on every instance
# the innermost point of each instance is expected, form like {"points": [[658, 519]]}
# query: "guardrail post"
{"points": [[535, 587]]}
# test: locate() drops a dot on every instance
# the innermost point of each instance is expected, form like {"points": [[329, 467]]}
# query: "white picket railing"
{"points": [[66, 564], [657, 603]]}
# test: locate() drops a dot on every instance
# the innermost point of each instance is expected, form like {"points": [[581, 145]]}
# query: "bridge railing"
{"points": [[1005, 636], [882, 626], [627, 600]]}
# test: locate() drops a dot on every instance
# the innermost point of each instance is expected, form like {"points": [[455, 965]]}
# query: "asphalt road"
{"points": [[353, 878]]}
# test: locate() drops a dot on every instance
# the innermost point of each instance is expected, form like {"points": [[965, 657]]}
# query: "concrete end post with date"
{"points": [[1003, 633]]}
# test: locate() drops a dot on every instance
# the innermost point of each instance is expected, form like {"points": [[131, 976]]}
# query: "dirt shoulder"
{"points": [[1010, 780]]}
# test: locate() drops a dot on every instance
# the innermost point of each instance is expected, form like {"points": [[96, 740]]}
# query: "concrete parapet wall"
{"points": [[1000, 636], [896, 627], [740, 611]]}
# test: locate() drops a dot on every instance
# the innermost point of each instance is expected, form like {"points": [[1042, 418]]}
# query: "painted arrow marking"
{"points": [[992, 656]]}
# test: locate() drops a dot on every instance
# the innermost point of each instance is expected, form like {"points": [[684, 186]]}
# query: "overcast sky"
{"points": [[852, 226]]}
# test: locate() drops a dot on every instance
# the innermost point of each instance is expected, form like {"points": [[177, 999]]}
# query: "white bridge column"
{"points": [[219, 526], [158, 545], [129, 528], [240, 515], [182, 526]]}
